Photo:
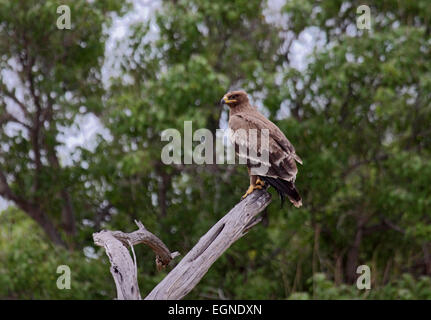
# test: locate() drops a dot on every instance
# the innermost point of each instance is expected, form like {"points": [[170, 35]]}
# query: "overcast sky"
{"points": [[82, 133]]}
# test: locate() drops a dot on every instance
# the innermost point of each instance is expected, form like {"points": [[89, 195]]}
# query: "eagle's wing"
{"points": [[282, 155]]}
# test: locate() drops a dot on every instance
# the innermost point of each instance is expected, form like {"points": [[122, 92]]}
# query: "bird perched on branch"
{"points": [[269, 155]]}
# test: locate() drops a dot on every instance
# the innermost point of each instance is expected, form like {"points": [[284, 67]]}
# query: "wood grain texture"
{"points": [[190, 270]]}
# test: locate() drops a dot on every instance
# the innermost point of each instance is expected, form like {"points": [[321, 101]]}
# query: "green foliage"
{"points": [[358, 114], [29, 265], [58, 80], [405, 288]]}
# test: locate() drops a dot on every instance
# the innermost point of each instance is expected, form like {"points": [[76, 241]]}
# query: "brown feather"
{"points": [[282, 169]]}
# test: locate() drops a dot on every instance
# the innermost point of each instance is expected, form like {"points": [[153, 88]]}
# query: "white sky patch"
{"points": [[273, 12], [283, 112], [310, 39], [117, 44], [81, 134], [4, 204], [12, 81], [90, 252]]}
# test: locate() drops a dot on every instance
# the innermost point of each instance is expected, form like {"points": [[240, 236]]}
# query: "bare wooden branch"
{"points": [[142, 235], [187, 274], [123, 268]]}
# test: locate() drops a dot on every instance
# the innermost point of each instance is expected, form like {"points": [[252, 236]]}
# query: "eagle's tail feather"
{"points": [[284, 188]]}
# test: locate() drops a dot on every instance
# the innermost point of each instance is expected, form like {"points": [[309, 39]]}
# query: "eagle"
{"points": [[279, 165]]}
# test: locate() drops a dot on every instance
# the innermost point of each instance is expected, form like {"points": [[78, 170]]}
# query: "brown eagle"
{"points": [[279, 166]]}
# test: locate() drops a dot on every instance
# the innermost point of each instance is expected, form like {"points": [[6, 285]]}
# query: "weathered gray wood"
{"points": [[186, 275], [123, 268], [190, 270], [142, 235]]}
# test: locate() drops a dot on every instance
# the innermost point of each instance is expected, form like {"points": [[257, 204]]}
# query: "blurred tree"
{"points": [[48, 77]]}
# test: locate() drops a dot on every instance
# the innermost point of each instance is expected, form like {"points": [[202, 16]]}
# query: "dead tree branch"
{"points": [[123, 268], [190, 270]]}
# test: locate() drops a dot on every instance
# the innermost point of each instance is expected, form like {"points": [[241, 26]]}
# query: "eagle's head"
{"points": [[234, 98]]}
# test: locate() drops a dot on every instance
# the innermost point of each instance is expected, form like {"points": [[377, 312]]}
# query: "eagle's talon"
{"points": [[250, 189], [260, 182]]}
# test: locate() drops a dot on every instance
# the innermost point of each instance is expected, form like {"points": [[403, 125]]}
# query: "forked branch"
{"points": [[190, 270]]}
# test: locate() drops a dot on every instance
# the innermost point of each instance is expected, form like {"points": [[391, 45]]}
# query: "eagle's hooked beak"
{"points": [[225, 100]]}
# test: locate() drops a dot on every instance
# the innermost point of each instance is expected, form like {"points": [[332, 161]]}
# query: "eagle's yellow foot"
{"points": [[250, 189], [260, 182]]}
